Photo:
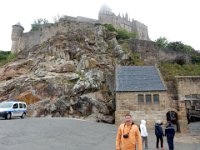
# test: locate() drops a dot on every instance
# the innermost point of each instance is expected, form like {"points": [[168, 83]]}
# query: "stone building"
{"points": [[106, 16], [21, 41], [141, 92], [188, 104]]}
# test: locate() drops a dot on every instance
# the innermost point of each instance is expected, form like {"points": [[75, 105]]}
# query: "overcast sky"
{"points": [[177, 20]]}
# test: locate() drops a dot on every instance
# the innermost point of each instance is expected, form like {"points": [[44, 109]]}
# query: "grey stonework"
{"points": [[152, 54], [106, 16], [66, 24]]}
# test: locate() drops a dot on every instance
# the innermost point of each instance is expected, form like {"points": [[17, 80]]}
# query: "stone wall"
{"points": [[152, 54], [127, 103], [186, 85], [46, 32]]}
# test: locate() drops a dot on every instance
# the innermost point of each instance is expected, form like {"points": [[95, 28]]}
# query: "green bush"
{"points": [[162, 42], [122, 34], [6, 56], [110, 27], [177, 46], [195, 59]]}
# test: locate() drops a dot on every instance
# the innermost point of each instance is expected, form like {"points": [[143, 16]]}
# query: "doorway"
{"points": [[173, 117]]}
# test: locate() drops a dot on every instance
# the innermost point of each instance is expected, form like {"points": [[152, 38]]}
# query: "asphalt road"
{"points": [[65, 134]]}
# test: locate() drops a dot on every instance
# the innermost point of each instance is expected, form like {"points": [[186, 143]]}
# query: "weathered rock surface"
{"points": [[67, 75]]}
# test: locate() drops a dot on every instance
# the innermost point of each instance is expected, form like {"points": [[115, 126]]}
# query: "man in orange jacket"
{"points": [[128, 135]]}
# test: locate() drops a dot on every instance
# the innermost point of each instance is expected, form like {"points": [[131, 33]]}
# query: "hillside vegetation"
{"points": [[170, 70], [5, 57]]}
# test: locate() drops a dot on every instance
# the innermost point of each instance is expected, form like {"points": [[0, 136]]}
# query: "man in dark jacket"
{"points": [[170, 132], [159, 134]]}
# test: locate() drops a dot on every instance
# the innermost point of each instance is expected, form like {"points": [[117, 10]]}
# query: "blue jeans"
{"points": [[170, 141]]}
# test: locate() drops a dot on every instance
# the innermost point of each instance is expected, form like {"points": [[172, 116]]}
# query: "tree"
{"points": [[180, 47], [110, 27], [162, 42], [37, 23]]}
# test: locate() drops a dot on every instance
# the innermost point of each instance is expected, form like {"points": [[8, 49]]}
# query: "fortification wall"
{"points": [[152, 54], [68, 23], [187, 85], [45, 32]]}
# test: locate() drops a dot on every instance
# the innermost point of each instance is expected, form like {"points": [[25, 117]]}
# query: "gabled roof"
{"points": [[139, 78]]}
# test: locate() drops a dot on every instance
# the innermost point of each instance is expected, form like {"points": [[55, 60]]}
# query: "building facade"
{"points": [[106, 16], [141, 92]]}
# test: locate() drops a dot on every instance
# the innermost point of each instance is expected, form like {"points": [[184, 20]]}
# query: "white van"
{"points": [[13, 108]]}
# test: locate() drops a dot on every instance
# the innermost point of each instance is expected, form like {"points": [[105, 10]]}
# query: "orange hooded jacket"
{"points": [[130, 142]]}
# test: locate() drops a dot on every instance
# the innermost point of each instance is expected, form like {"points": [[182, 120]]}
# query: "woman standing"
{"points": [[144, 133], [159, 134]]}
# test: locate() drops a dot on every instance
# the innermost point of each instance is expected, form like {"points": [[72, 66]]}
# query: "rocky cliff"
{"points": [[70, 74]]}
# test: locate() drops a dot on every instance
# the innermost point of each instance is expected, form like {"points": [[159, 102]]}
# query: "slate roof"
{"points": [[138, 78]]}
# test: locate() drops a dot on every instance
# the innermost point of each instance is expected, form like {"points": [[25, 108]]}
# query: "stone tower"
{"points": [[17, 31], [106, 15]]}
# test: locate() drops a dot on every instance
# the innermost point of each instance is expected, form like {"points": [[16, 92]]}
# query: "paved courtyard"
{"points": [[71, 134]]}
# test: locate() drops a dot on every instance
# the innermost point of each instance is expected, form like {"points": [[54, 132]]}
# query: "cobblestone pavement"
{"points": [[70, 134]]}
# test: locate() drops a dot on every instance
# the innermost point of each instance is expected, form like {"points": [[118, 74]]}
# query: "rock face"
{"points": [[67, 75]]}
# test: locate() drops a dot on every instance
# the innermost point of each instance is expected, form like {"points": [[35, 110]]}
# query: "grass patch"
{"points": [[5, 57], [170, 70]]}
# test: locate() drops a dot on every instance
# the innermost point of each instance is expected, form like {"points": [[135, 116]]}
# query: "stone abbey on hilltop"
{"points": [[22, 40]]}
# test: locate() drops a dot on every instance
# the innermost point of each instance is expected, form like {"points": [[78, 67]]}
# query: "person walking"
{"points": [[144, 133], [128, 135], [170, 132], [159, 134]]}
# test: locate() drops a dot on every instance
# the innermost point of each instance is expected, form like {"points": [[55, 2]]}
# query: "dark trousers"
{"points": [[170, 141], [157, 141]]}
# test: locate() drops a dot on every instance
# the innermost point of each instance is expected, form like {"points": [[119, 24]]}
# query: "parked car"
{"points": [[193, 109], [13, 108]]}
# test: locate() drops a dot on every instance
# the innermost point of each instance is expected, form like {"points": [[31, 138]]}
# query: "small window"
{"points": [[15, 106], [141, 98], [148, 99], [20, 105], [156, 99]]}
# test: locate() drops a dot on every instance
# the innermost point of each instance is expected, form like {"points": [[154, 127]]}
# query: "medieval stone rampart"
{"points": [[152, 54], [66, 24]]}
